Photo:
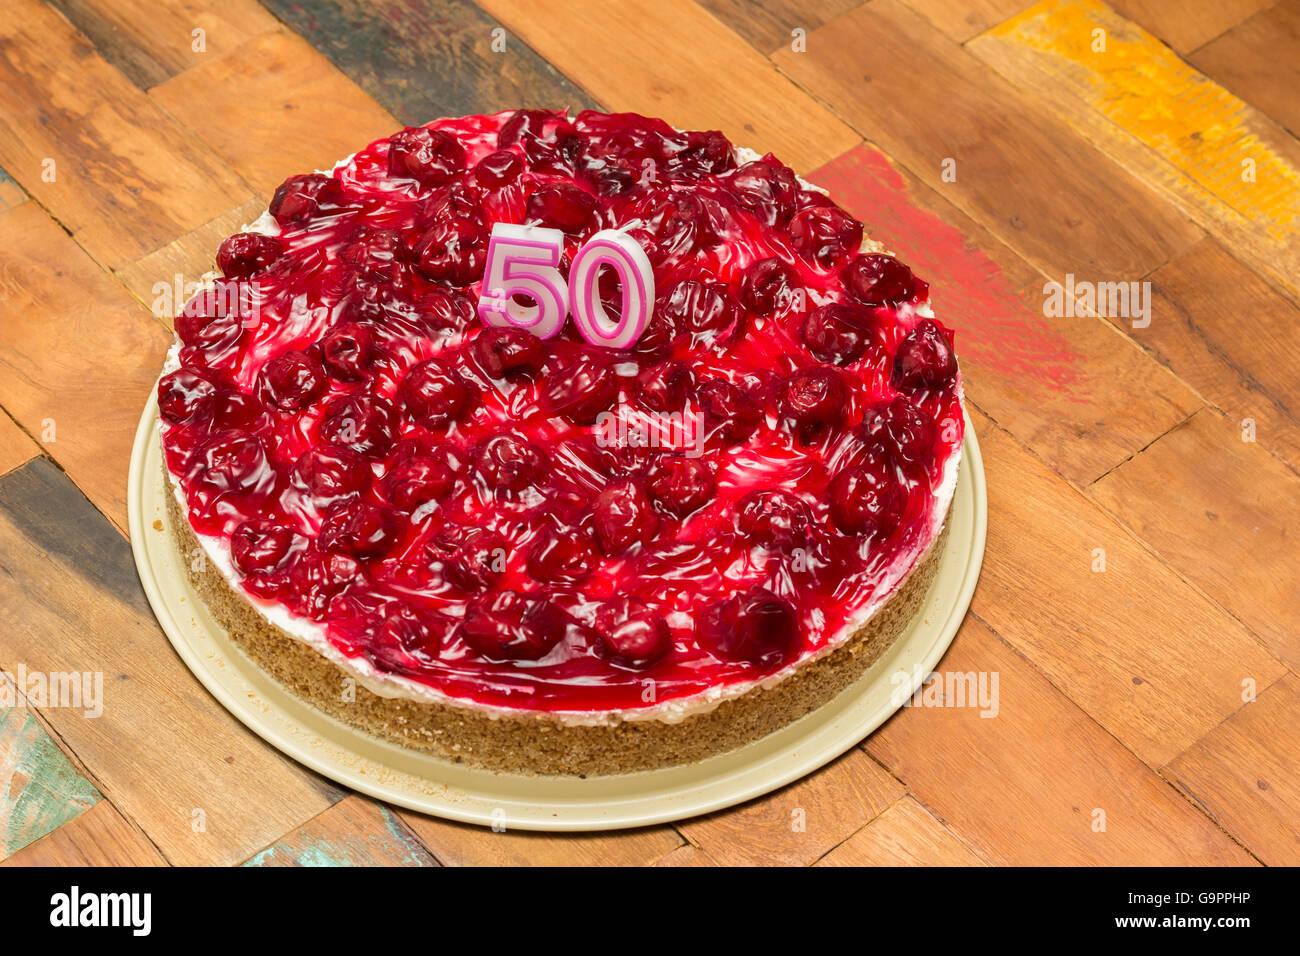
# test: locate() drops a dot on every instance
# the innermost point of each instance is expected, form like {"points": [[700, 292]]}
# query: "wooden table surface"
{"points": [[1139, 601]]}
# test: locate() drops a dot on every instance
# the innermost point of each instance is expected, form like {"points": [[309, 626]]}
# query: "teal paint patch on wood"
{"points": [[425, 59], [353, 847], [40, 790]]}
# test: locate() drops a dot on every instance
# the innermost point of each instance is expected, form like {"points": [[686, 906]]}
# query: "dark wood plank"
{"points": [[151, 40], [427, 60], [273, 107], [1231, 336], [1027, 787], [1123, 639], [99, 837], [1226, 515], [769, 26], [802, 822], [163, 751], [356, 831], [78, 355], [1259, 60], [1245, 775], [1049, 380], [11, 194], [126, 177], [1027, 177]]}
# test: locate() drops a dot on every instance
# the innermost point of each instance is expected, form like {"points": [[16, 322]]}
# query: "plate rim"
{"points": [[595, 813]]}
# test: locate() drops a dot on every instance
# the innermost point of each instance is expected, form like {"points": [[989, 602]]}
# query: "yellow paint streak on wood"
{"points": [[1142, 87]]}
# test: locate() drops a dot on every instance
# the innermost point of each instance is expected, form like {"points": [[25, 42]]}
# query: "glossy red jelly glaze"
{"points": [[557, 555]]}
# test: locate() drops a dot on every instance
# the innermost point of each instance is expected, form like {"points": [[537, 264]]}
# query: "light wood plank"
{"points": [[78, 355], [802, 822], [151, 40], [1230, 335], [11, 194], [1179, 132], [1244, 773], [162, 750], [1188, 24], [962, 19], [1226, 515], [671, 58], [274, 107], [356, 831], [99, 837], [1034, 784], [1259, 60], [687, 855], [904, 835], [769, 26], [40, 789], [16, 447], [1023, 174], [458, 844], [126, 177], [1124, 643]]}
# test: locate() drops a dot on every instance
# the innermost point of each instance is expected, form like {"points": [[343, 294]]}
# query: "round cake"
{"points": [[560, 444]]}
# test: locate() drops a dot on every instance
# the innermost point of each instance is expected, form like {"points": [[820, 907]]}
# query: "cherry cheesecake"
{"points": [[531, 548]]}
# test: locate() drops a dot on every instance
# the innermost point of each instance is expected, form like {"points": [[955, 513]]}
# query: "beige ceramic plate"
{"points": [[427, 784]]}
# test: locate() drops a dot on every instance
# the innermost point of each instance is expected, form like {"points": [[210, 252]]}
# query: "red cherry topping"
{"points": [[561, 206], [903, 432], [346, 350], [756, 627], [328, 473], [300, 199], [704, 310], [259, 545], [507, 350], [879, 280], [814, 400], [623, 516], [507, 464], [365, 423], [666, 386], [631, 634], [292, 380], [561, 554], [825, 234], [498, 169], [730, 413], [768, 287], [767, 189], [185, 395], [435, 394], [425, 155], [863, 500], [773, 517], [680, 485], [472, 558], [837, 333], [245, 254], [362, 530], [924, 359], [507, 625], [580, 389], [417, 480], [453, 251]]}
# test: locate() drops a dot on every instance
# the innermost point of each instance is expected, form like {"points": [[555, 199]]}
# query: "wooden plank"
{"points": [[99, 837], [1226, 515], [1124, 643], [431, 59], [771, 25], [163, 751], [1245, 775], [16, 447], [1190, 23], [151, 40], [1226, 332], [273, 107], [40, 789], [802, 822], [686, 855], [1023, 174], [11, 194], [78, 355], [458, 844], [1259, 60], [356, 831], [904, 835], [962, 19], [1179, 132], [153, 278], [673, 59], [127, 178], [1029, 786], [1048, 379]]}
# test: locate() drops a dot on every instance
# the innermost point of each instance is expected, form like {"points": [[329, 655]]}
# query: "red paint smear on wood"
{"points": [[997, 332]]}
